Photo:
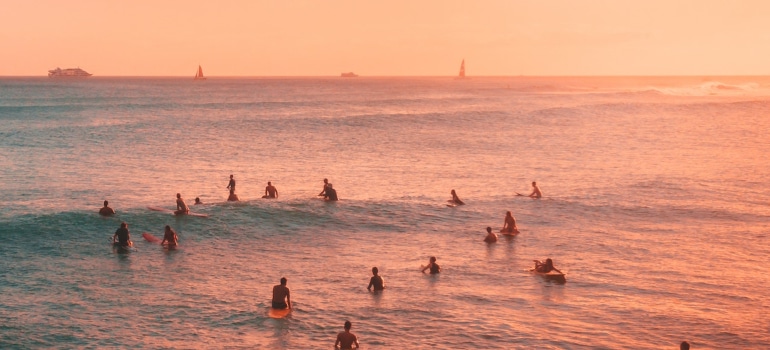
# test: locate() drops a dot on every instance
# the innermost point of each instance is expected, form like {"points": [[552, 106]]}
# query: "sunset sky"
{"points": [[386, 38]]}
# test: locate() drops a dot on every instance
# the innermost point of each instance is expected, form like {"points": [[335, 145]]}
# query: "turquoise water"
{"points": [[656, 207]]}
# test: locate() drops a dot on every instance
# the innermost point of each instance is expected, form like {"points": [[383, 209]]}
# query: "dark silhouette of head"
{"points": [[375, 270], [684, 346], [432, 259], [105, 203], [489, 229], [123, 225], [283, 281], [348, 325]]}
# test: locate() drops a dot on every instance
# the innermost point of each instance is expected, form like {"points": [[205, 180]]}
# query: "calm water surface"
{"points": [[656, 207]]}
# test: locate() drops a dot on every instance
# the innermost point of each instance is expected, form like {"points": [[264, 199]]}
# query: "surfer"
{"points": [[233, 197], [122, 235], [376, 281], [170, 236], [509, 226], [270, 191], [455, 200], [281, 292], [535, 191], [106, 210], [684, 346], [329, 193], [434, 268], [231, 185], [181, 206], [198, 200], [345, 340], [491, 236], [544, 267]]}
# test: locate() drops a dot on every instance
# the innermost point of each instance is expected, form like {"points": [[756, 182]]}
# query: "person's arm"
{"points": [[276, 193], [337, 343], [114, 236], [288, 298], [355, 341], [426, 267], [265, 191], [371, 282]]}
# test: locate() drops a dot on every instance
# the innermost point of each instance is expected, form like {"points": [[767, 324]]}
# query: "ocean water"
{"points": [[657, 207]]}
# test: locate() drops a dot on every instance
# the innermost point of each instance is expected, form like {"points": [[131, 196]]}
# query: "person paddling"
{"points": [[545, 267], [455, 199], [170, 237]]}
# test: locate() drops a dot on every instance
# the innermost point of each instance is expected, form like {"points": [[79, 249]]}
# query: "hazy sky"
{"points": [[394, 37]]}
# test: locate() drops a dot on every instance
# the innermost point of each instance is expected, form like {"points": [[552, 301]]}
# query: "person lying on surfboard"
{"points": [[170, 237], [122, 235], [281, 292], [270, 191], [535, 191], [491, 236], [345, 340], [233, 197], [181, 206], [106, 210], [509, 226], [434, 268], [544, 267], [455, 200]]}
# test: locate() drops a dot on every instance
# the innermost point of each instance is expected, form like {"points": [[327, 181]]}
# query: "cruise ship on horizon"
{"points": [[68, 73]]}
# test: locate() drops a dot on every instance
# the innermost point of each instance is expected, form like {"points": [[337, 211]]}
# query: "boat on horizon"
{"points": [[68, 73], [462, 70], [349, 75], [199, 74]]}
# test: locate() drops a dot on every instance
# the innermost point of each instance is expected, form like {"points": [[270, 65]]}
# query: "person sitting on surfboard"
{"points": [[198, 201], [345, 340], [544, 267], [281, 292], [535, 191], [233, 197], [122, 235], [270, 191], [329, 193], [231, 184], [106, 210], [491, 236], [181, 206], [170, 236], [455, 200], [434, 268], [509, 226], [376, 281]]}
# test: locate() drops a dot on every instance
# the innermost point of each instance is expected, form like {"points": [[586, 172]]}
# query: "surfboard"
{"points": [[278, 313], [150, 238], [174, 213], [506, 233], [553, 275]]}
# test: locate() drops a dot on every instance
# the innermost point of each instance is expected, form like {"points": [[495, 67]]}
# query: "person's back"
{"points": [[106, 210], [170, 237], [491, 237], [281, 293], [271, 191], [376, 281], [331, 193], [123, 235], [346, 339]]}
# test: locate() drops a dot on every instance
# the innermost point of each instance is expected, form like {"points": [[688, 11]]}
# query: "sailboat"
{"points": [[199, 74], [462, 70]]}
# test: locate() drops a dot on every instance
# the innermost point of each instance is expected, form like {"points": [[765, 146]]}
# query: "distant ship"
{"points": [[462, 70], [349, 75], [68, 73], [199, 74]]}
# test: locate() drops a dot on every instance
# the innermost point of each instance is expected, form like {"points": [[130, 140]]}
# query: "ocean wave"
{"points": [[709, 88]]}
